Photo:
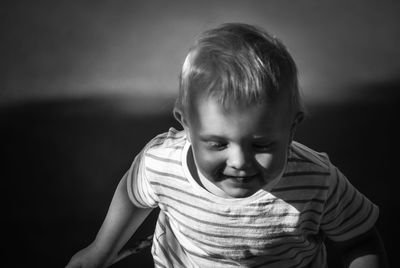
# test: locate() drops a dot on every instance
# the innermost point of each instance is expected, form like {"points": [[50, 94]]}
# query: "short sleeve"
{"points": [[347, 212], [139, 188]]}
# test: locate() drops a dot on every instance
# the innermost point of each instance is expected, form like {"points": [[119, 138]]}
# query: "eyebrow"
{"points": [[211, 137], [207, 137]]}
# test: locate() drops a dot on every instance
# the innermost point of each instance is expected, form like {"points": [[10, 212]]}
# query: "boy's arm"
{"points": [[121, 221], [364, 251]]}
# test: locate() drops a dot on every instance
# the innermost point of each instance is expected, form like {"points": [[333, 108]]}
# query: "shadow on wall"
{"points": [[63, 159]]}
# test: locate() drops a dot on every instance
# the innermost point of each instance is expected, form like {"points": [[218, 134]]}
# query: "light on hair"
{"points": [[238, 64]]}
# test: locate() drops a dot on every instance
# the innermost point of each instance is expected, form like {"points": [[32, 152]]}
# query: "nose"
{"points": [[238, 158]]}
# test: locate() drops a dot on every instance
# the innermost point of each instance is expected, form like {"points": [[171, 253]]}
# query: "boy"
{"points": [[234, 189]]}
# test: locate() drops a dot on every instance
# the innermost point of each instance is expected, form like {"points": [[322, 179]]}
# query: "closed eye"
{"points": [[263, 146], [216, 145]]}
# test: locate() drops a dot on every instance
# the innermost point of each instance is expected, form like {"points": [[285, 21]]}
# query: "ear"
{"points": [[180, 117], [297, 120]]}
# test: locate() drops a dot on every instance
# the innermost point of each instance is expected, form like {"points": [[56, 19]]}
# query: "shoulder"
{"points": [[301, 153], [164, 148], [310, 166], [164, 152], [159, 161], [172, 139]]}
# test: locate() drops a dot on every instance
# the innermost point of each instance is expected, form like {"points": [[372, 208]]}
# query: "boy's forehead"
{"points": [[212, 106], [280, 101], [209, 117]]}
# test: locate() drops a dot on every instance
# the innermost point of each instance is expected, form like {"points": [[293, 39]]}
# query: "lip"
{"points": [[240, 175], [241, 179]]}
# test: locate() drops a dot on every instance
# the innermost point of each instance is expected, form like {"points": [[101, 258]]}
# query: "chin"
{"points": [[239, 193]]}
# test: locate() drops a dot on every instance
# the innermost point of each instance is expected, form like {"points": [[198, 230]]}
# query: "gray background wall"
{"points": [[53, 49]]}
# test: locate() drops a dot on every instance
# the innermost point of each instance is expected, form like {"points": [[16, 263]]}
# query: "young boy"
{"points": [[233, 188]]}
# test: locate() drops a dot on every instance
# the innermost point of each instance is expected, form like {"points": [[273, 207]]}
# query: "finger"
{"points": [[125, 253]]}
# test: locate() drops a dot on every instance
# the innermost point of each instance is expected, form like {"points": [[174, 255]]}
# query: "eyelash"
{"points": [[263, 146], [216, 145], [221, 146]]}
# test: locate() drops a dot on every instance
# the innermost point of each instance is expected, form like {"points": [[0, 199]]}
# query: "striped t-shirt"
{"points": [[279, 226]]}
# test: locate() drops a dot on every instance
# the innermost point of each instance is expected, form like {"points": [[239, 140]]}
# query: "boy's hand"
{"points": [[139, 246], [90, 257]]}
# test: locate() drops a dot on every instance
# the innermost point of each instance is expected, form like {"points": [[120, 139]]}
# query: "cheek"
{"points": [[209, 163], [271, 163], [266, 161]]}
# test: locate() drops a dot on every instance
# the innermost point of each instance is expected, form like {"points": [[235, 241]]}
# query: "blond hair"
{"points": [[238, 64]]}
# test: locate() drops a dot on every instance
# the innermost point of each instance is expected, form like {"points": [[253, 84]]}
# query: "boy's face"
{"points": [[242, 149]]}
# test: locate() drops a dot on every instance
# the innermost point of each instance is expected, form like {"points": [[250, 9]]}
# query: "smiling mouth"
{"points": [[240, 179]]}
